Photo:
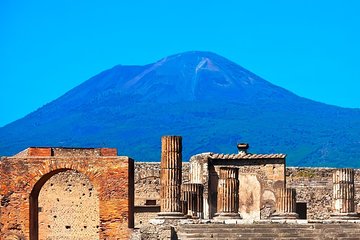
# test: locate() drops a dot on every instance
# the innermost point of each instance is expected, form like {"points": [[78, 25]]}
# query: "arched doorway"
{"points": [[64, 205]]}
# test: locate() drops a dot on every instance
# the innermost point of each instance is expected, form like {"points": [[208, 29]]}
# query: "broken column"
{"points": [[228, 194], [170, 177], [285, 204], [192, 193], [343, 194]]}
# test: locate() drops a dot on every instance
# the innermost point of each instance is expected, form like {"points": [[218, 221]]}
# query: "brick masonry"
{"points": [[23, 176], [68, 205]]}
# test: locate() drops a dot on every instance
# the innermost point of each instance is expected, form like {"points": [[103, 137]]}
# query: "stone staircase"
{"points": [[270, 231]]}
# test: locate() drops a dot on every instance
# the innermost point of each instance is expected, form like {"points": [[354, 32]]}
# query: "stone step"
{"points": [[253, 235], [258, 238], [311, 225], [255, 230], [273, 229], [269, 231], [319, 237], [348, 238], [272, 234]]}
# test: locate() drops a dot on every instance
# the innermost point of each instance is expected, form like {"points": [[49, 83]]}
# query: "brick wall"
{"points": [[23, 176], [68, 207]]}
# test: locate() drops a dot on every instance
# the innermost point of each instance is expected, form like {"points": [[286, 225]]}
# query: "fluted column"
{"points": [[192, 193], [228, 193], [170, 177], [285, 204], [343, 194]]}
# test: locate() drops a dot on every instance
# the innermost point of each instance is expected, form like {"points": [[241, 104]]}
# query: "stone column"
{"points": [[285, 204], [170, 177], [184, 207], [343, 194], [192, 193], [228, 194]]}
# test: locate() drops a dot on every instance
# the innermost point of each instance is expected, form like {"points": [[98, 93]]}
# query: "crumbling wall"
{"points": [[259, 180], [314, 187], [147, 181], [147, 187], [68, 208], [259, 176], [24, 176]]}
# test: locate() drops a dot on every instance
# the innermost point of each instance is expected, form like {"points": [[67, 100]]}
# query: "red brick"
{"points": [[108, 152], [39, 152], [112, 176]]}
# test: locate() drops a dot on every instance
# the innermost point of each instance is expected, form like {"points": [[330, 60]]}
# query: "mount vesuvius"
{"points": [[212, 102]]}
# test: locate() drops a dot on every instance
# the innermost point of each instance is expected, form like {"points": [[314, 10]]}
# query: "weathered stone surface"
{"points": [[268, 171], [228, 193], [343, 194], [24, 175], [250, 195], [285, 204], [267, 230], [192, 195], [343, 191], [314, 187], [68, 207], [170, 176], [161, 231], [147, 182]]}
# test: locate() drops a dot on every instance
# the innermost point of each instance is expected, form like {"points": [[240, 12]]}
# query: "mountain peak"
{"points": [[202, 96], [199, 75], [187, 76], [188, 54], [193, 57]]}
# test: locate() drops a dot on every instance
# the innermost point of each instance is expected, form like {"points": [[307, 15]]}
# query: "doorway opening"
{"points": [[301, 209]]}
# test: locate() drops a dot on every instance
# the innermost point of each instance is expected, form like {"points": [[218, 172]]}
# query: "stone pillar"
{"points": [[170, 177], [343, 194], [228, 194], [285, 204], [192, 193], [184, 207]]}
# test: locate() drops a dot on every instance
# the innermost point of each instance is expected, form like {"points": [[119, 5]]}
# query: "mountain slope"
{"points": [[212, 102]]}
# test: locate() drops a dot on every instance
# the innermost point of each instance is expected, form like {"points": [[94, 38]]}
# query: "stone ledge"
{"points": [[288, 221]]}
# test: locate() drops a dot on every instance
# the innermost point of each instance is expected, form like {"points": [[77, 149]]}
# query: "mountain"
{"points": [[212, 102]]}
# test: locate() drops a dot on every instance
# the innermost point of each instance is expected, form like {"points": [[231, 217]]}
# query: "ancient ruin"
{"points": [[240, 189], [91, 193], [170, 177], [258, 176], [192, 196], [228, 194], [285, 204], [343, 194], [66, 193]]}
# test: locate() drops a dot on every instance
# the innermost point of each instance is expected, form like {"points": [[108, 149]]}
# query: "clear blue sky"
{"points": [[48, 47]]}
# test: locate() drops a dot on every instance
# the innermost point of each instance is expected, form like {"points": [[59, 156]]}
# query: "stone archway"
{"points": [[24, 175], [64, 205]]}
